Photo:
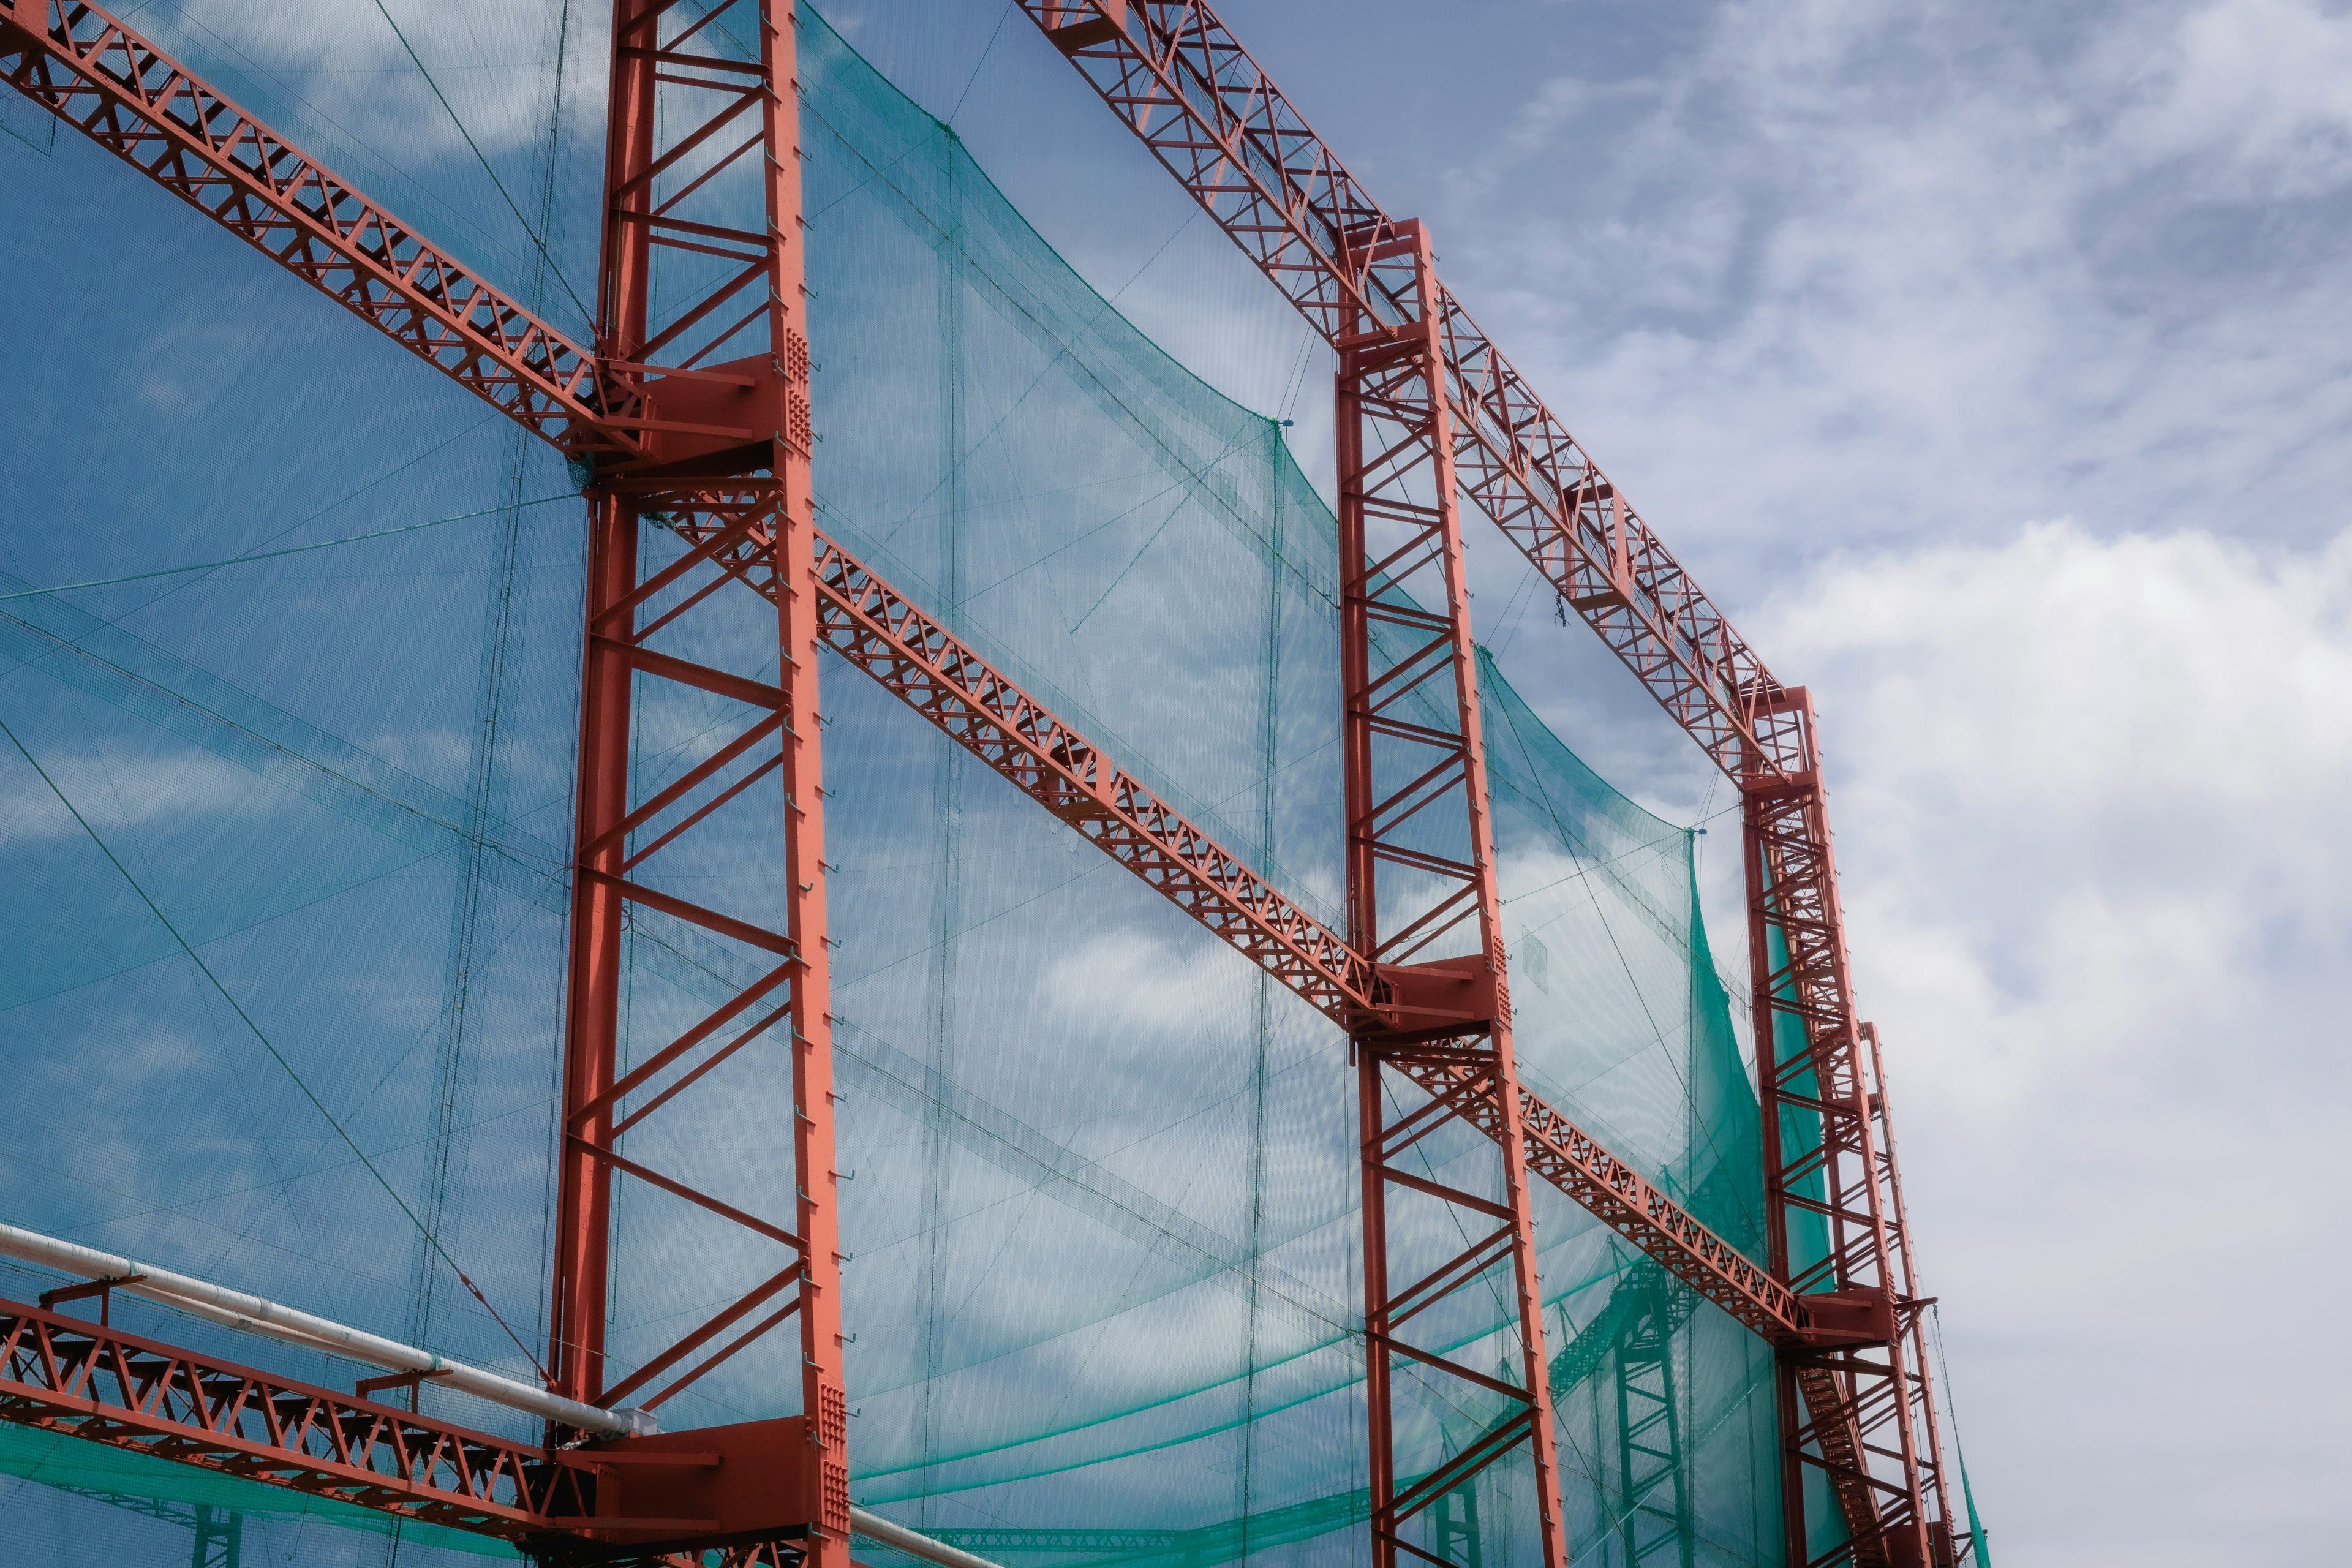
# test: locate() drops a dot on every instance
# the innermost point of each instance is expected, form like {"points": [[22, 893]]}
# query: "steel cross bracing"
{"points": [[1421, 885], [99, 75], [1189, 90], [100, 1384], [883, 633], [134, 98]]}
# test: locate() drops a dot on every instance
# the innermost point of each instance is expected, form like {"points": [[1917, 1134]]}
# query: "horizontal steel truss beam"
{"points": [[137, 102], [100, 1385], [65, 1375], [875, 627], [134, 99], [1626, 1201]]}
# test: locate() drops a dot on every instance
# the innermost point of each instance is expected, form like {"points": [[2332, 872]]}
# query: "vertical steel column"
{"points": [[1649, 1459], [217, 1538], [1411, 741], [825, 1402], [703, 145], [1943, 1537], [1854, 1402], [591, 999], [593, 994]]}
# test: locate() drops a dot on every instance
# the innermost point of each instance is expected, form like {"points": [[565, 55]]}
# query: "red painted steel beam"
{"points": [[100, 1384], [1189, 90], [97, 75], [879, 630], [63, 1374], [1415, 764], [953, 688]]}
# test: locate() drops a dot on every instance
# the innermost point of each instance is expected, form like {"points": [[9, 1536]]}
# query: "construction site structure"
{"points": [[701, 423]]}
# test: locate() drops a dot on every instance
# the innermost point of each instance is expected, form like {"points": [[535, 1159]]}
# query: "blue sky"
{"points": [[1988, 362]]}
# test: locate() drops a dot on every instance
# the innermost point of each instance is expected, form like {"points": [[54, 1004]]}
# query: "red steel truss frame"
{"points": [[717, 450], [137, 102], [1416, 776], [700, 120], [65, 1374], [102, 1384], [1856, 1397], [882, 632]]}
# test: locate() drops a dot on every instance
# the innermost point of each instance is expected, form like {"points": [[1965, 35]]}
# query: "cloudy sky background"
{"points": [[1989, 362]]}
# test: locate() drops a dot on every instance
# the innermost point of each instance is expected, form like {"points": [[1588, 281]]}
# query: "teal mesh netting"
{"points": [[1104, 1274]]}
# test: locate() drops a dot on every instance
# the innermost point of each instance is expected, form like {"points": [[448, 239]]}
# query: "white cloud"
{"points": [[132, 793], [2255, 94], [2089, 795], [344, 56], [1850, 273], [2099, 777], [1127, 982]]}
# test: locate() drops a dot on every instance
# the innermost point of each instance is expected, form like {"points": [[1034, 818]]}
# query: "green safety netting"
{"points": [[288, 834]]}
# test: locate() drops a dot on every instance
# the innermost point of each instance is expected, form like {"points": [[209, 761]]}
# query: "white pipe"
{"points": [[899, 1538], [252, 1313]]}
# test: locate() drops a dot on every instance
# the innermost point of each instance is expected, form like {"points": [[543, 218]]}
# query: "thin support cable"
{"points": [[530, 232], [268, 1045]]}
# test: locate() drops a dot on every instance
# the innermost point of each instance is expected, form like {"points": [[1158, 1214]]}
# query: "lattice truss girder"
{"points": [[946, 680], [619, 858], [877, 629], [1862, 1414], [139, 103], [1420, 878], [703, 125], [1402, 666], [1250, 159], [1192, 94], [1395, 1137], [62, 1373], [102, 1384]]}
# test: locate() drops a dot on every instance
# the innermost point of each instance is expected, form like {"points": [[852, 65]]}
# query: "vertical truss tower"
{"points": [[718, 384], [690, 415]]}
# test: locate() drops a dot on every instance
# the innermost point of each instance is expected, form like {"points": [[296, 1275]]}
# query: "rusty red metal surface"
{"points": [[732, 480]]}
